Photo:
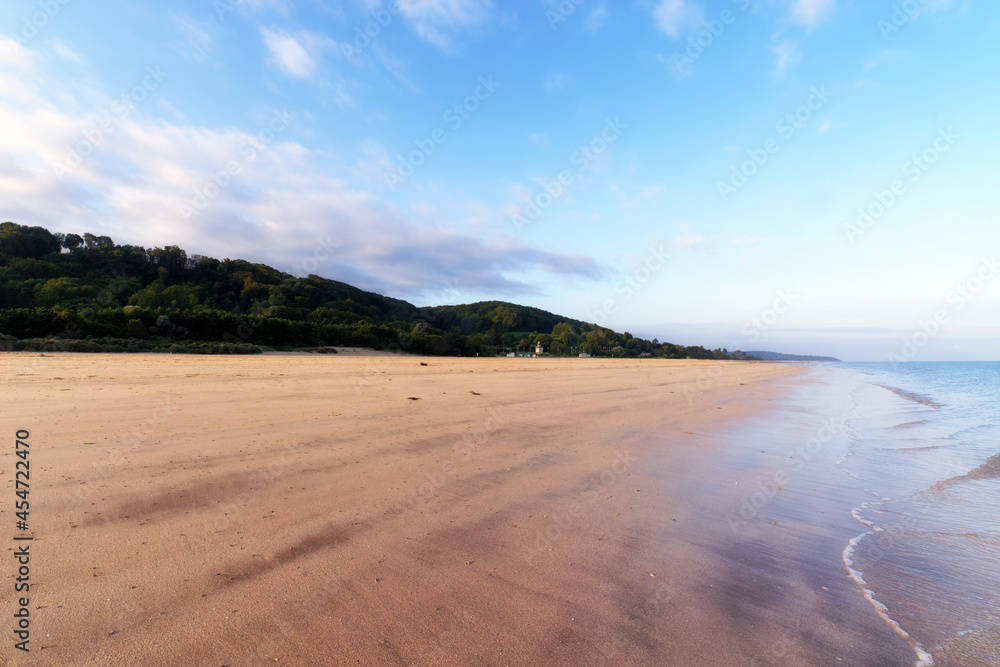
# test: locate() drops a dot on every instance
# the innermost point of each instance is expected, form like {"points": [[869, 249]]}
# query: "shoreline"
{"points": [[471, 511], [791, 513]]}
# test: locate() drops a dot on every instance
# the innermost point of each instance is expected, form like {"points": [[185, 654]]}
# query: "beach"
{"points": [[403, 510]]}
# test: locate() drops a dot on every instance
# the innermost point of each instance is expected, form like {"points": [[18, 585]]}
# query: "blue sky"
{"points": [[811, 176]]}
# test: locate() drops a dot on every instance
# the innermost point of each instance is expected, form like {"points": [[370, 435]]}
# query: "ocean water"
{"points": [[923, 441]]}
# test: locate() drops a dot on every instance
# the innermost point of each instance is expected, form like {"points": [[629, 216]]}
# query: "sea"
{"points": [[923, 442]]}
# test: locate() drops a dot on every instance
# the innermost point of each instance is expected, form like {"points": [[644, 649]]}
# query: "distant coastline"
{"points": [[778, 356]]}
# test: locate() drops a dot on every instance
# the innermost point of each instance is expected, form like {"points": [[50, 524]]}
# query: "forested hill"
{"points": [[503, 317], [87, 293], [778, 356]]}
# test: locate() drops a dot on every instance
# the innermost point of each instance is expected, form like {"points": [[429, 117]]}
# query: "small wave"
{"points": [[912, 396], [978, 535], [921, 448], [924, 659], [989, 469], [910, 424], [972, 647]]}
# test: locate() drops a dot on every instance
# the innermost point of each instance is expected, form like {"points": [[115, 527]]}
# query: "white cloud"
{"points": [[786, 54], [297, 55], [689, 242], [676, 16], [541, 139], [15, 56], [67, 53], [885, 58], [15, 62], [288, 54], [172, 109], [197, 37], [557, 80], [597, 17], [283, 199], [437, 20], [811, 12]]}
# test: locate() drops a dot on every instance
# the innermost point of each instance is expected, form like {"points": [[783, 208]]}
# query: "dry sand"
{"points": [[295, 510]]}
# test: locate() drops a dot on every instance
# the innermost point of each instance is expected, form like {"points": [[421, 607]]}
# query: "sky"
{"points": [[805, 176]]}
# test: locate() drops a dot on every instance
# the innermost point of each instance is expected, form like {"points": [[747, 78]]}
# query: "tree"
{"points": [[72, 242], [97, 242], [27, 242], [64, 291], [504, 317], [136, 329], [164, 327], [100, 289], [171, 259], [562, 331]]}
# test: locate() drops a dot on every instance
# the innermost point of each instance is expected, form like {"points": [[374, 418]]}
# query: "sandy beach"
{"points": [[334, 510]]}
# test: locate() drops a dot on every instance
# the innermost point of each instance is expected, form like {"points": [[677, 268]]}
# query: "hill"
{"points": [[778, 356], [87, 293]]}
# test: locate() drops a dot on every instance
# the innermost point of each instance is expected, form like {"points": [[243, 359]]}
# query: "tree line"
{"points": [[87, 293]]}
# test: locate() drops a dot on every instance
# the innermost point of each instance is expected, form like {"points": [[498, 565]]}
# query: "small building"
{"points": [[539, 349], [584, 355]]}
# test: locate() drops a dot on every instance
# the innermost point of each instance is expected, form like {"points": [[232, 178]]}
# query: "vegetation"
{"points": [[778, 356], [67, 292]]}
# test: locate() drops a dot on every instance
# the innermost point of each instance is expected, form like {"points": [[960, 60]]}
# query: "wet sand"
{"points": [[329, 510]]}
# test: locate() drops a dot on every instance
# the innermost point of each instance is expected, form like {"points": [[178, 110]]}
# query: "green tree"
{"points": [[136, 329], [98, 242], [29, 242], [72, 242]]}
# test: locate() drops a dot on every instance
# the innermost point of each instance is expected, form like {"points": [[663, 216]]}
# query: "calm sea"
{"points": [[923, 440]]}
